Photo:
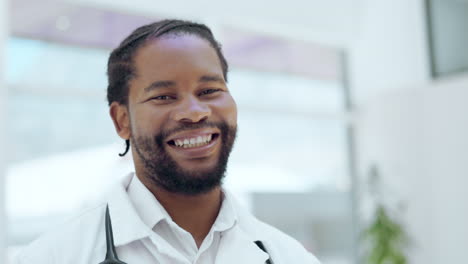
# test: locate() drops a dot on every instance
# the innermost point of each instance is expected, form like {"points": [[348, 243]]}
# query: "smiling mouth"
{"points": [[193, 142]]}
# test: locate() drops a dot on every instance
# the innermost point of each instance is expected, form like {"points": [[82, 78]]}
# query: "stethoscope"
{"points": [[111, 254]]}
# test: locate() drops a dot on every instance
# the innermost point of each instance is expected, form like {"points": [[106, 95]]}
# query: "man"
{"points": [[170, 102]]}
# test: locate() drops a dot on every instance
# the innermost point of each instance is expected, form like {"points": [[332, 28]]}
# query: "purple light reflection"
{"points": [[83, 26], [269, 53]]}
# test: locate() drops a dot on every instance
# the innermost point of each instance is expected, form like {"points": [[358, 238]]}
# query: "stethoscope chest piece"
{"points": [[111, 255]]}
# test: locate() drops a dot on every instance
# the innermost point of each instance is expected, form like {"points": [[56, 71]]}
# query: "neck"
{"points": [[194, 213]]}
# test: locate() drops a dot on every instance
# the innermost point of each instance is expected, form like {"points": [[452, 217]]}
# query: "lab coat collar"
{"points": [[152, 212], [246, 221], [146, 205], [239, 241], [227, 217], [126, 224], [237, 244]]}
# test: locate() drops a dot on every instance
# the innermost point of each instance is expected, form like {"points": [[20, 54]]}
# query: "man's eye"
{"points": [[162, 97], [209, 91]]}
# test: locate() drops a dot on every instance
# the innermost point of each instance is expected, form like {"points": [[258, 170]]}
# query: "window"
{"points": [[447, 23]]}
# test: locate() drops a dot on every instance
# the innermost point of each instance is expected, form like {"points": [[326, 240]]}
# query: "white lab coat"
{"points": [[82, 239]]}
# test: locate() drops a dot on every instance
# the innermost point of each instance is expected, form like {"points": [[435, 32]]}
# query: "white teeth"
{"points": [[193, 142], [199, 141]]}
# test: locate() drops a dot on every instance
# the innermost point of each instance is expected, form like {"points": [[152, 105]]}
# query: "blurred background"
{"points": [[329, 93]]}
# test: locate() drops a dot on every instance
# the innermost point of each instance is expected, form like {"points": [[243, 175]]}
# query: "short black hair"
{"points": [[120, 67]]}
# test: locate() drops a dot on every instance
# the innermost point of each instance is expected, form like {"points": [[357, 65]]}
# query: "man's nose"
{"points": [[192, 110]]}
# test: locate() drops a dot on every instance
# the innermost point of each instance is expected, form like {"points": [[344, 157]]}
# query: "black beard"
{"points": [[164, 171]]}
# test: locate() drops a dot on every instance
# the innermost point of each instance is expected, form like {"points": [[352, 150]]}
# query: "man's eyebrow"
{"points": [[159, 84], [212, 78]]}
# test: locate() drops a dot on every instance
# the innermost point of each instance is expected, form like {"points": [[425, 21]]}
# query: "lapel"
{"points": [[126, 223], [236, 246]]}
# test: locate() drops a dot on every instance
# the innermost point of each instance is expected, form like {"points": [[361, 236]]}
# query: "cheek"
{"points": [[228, 109], [147, 121]]}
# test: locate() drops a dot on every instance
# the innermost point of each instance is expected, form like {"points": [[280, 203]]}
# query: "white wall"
{"points": [[446, 126], [389, 50], [419, 138], [413, 128], [3, 35]]}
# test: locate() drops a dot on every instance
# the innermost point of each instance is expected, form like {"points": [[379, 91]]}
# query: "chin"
{"points": [[197, 170]]}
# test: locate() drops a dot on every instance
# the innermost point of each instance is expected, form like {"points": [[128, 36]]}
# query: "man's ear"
{"points": [[120, 117]]}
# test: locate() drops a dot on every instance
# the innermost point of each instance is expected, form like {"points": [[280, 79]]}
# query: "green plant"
{"points": [[384, 238]]}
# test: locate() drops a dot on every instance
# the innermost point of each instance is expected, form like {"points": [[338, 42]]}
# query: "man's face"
{"points": [[182, 117]]}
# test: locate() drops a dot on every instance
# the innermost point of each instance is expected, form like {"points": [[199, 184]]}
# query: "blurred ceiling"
{"points": [[332, 22], [103, 25]]}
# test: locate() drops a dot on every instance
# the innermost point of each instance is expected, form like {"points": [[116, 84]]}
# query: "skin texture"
{"points": [[183, 100]]}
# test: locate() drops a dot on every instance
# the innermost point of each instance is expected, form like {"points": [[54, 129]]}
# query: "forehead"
{"points": [[172, 55]]}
